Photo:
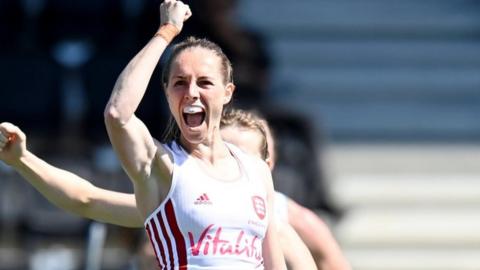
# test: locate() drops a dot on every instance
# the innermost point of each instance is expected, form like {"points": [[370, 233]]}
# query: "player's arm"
{"points": [[296, 253], [318, 237], [77, 195], [135, 147], [65, 189], [272, 253]]}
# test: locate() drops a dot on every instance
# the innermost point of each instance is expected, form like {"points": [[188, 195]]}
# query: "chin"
{"points": [[194, 136], [193, 139]]}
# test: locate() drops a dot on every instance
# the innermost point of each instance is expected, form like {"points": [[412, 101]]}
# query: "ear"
{"points": [[229, 89], [270, 163]]}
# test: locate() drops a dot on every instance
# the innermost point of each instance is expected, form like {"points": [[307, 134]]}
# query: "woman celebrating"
{"points": [[205, 203]]}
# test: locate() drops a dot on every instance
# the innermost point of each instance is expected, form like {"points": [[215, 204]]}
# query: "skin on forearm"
{"points": [[318, 238], [133, 81], [129, 136], [77, 195], [296, 253]]}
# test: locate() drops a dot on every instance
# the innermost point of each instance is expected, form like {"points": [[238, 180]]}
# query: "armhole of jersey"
{"points": [[172, 148], [248, 163], [242, 160]]}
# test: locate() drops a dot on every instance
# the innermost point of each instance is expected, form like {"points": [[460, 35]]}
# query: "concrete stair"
{"points": [[407, 206]]}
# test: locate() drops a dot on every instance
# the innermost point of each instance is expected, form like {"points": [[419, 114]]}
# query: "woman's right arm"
{"points": [[65, 189], [135, 147]]}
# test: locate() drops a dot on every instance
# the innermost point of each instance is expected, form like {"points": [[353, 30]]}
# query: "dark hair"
{"points": [[172, 131]]}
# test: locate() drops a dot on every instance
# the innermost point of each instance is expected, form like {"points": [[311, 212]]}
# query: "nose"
{"points": [[192, 92]]}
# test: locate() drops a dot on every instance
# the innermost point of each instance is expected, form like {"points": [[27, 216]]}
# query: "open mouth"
{"points": [[193, 115]]}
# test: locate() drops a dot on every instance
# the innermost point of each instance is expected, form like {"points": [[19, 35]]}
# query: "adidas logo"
{"points": [[203, 199]]}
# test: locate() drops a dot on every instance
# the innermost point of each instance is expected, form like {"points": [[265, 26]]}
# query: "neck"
{"points": [[210, 151]]}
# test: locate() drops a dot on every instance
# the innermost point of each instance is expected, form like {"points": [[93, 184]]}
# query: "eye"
{"points": [[205, 83], [179, 83]]}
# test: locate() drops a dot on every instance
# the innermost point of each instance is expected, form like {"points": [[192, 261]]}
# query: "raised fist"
{"points": [[12, 143], [174, 12]]}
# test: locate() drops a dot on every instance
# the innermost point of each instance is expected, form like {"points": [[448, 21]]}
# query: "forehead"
{"points": [[196, 60], [248, 140]]}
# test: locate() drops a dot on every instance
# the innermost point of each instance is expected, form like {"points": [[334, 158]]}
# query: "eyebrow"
{"points": [[179, 77], [185, 76], [206, 77]]}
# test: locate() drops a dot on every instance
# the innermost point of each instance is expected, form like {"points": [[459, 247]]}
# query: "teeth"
{"points": [[192, 109]]}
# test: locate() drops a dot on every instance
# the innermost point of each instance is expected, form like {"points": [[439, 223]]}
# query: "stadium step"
{"points": [[411, 226], [328, 53], [403, 174], [407, 206], [414, 258], [360, 18]]}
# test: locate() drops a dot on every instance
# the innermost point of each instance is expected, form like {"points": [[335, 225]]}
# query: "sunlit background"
{"points": [[375, 104]]}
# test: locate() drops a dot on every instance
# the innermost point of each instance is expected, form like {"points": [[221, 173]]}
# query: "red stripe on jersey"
{"points": [[177, 235], [171, 257], [153, 245], [206, 197], [158, 241]]}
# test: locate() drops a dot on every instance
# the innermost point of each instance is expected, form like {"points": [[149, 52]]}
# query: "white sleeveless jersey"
{"points": [[207, 223]]}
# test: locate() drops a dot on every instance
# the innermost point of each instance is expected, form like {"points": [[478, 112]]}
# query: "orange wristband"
{"points": [[167, 32]]}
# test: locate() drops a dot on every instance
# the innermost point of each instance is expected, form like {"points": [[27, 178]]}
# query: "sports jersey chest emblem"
{"points": [[259, 206]]}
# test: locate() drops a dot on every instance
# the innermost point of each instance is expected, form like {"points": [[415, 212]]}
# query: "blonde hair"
{"points": [[248, 120]]}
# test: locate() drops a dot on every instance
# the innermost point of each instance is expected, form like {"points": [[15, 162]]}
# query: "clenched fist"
{"points": [[174, 12], [12, 143]]}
